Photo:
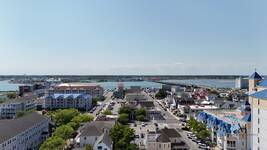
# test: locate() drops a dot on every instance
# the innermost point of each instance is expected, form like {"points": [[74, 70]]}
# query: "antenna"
{"points": [[255, 69]]}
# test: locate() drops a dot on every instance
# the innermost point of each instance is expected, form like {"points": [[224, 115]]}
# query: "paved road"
{"points": [[173, 122]]}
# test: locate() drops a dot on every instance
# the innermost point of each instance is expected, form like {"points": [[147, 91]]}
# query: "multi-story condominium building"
{"points": [[24, 133], [230, 129], [78, 101], [10, 108], [258, 100], [94, 90]]}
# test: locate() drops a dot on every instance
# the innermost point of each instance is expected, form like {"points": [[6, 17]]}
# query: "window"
{"points": [[258, 120], [258, 130], [258, 111], [258, 140], [258, 101]]}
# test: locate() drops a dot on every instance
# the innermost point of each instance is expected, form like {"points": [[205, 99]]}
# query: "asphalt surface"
{"points": [[173, 122]]}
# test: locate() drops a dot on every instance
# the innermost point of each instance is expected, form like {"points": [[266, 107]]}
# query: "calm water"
{"points": [[222, 83], [5, 86], [143, 84]]}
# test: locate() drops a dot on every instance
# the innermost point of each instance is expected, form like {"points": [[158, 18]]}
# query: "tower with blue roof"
{"points": [[254, 79]]}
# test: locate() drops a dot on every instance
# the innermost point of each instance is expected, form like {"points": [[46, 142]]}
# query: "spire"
{"points": [[255, 75]]}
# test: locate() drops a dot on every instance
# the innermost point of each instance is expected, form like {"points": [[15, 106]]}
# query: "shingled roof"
{"points": [[11, 127], [96, 128]]}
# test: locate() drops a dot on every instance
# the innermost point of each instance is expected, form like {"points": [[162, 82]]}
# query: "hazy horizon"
{"points": [[133, 37]]}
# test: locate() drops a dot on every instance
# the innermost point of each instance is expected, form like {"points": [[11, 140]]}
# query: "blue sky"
{"points": [[132, 37]]}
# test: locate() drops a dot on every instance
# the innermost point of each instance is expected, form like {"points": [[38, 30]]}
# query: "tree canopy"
{"points": [[122, 136], [53, 143], [107, 112], [11, 95], [161, 94], [64, 132], [64, 116], [123, 118]]}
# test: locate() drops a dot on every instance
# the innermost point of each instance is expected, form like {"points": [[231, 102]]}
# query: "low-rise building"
{"points": [[10, 108], [24, 133], [78, 101], [165, 139], [95, 134]]}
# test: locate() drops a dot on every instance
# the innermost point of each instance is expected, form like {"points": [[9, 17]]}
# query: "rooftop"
{"points": [[63, 86], [231, 116], [255, 75], [260, 95], [12, 127], [21, 99], [96, 128], [172, 133], [263, 83]]}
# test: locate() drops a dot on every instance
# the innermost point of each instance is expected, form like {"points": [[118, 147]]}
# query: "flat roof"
{"points": [[231, 116]]}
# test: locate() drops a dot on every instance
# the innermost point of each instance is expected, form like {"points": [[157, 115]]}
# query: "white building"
{"points": [[95, 134], [258, 101], [78, 101], [10, 108], [24, 133]]}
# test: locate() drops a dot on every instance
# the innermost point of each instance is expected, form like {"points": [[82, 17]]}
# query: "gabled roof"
{"points": [[255, 75], [172, 133], [260, 95], [163, 138], [105, 138], [96, 128]]}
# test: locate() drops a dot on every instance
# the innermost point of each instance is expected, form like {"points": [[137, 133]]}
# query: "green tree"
{"points": [[107, 112], [11, 95], [82, 118], [64, 116], [74, 125], [141, 111], [88, 147], [125, 110], [122, 136], [132, 147], [65, 132], [123, 118], [141, 118], [53, 143], [161, 94]]}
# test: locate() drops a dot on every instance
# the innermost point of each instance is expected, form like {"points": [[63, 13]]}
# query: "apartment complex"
{"points": [[78, 101], [230, 129], [10, 108], [72, 95], [258, 100], [24, 133], [94, 90]]}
